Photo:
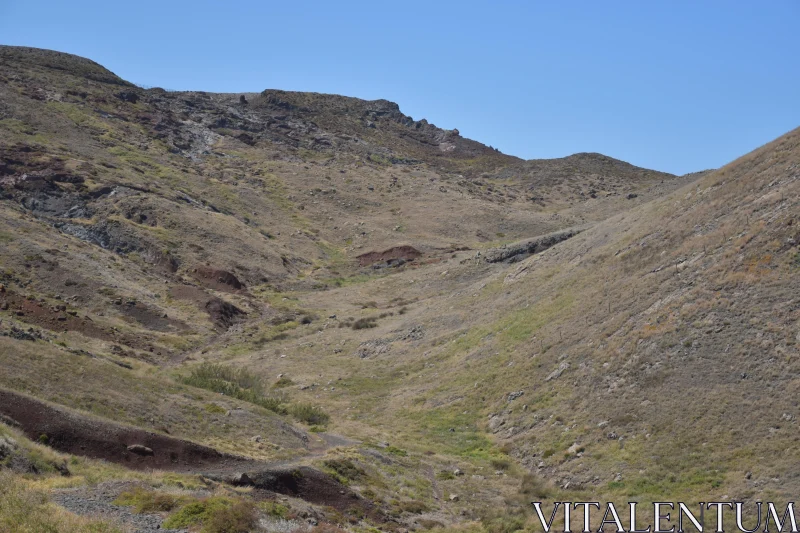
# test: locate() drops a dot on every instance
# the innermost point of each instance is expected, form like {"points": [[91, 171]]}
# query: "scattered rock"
{"points": [[139, 449], [514, 395], [555, 374]]}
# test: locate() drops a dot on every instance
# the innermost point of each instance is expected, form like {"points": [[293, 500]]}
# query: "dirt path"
{"points": [[79, 434]]}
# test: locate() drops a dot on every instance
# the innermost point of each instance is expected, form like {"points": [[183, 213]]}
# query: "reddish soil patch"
{"points": [[312, 486], [406, 253], [77, 434], [55, 319], [220, 280]]}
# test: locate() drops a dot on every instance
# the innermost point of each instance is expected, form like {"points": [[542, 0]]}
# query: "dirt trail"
{"points": [[78, 434]]}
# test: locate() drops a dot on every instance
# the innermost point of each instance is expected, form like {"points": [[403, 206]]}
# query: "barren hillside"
{"points": [[439, 330]]}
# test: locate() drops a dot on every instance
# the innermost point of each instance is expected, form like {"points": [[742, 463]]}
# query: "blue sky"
{"points": [[676, 86]]}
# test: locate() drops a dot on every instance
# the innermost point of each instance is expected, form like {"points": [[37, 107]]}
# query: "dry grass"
{"points": [[24, 509]]}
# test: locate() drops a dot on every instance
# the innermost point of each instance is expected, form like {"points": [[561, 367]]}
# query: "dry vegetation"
{"points": [[188, 264]]}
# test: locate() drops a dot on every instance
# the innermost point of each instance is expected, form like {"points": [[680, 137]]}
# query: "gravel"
{"points": [[96, 502]]}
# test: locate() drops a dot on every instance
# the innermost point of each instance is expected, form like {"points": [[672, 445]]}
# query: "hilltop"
{"points": [[295, 282]]}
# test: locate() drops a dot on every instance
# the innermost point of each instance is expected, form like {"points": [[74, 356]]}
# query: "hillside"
{"points": [[407, 313]]}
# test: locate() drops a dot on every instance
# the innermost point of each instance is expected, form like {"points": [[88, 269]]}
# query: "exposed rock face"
{"points": [[518, 251]]}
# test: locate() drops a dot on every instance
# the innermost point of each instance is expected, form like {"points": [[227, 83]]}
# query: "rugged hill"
{"points": [[390, 302]]}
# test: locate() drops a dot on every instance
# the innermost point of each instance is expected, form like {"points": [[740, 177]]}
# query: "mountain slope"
{"points": [[579, 326]]}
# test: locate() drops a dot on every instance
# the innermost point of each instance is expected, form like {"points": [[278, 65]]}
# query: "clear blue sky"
{"points": [[676, 86]]}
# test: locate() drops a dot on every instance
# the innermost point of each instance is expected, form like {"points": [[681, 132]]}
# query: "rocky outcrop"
{"points": [[520, 250]]}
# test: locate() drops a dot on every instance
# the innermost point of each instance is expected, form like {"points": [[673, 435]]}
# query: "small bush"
{"points": [[412, 506], [535, 487], [216, 514], [500, 463], [344, 469], [275, 509], [236, 383], [397, 451], [214, 408], [310, 414], [365, 323], [238, 518]]}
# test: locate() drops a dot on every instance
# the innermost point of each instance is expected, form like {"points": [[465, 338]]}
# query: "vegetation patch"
{"points": [[310, 414], [24, 509], [237, 383], [149, 501], [216, 514]]}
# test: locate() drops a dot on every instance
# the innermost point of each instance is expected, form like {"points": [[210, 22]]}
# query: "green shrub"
{"points": [[412, 506], [344, 469], [216, 514], [396, 451], [310, 414], [278, 510], [500, 463], [237, 383]]}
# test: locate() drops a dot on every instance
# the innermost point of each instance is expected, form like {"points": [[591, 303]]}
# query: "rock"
{"points": [[128, 96], [139, 449], [454, 497], [495, 423], [572, 450], [514, 395], [241, 479], [555, 374]]}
